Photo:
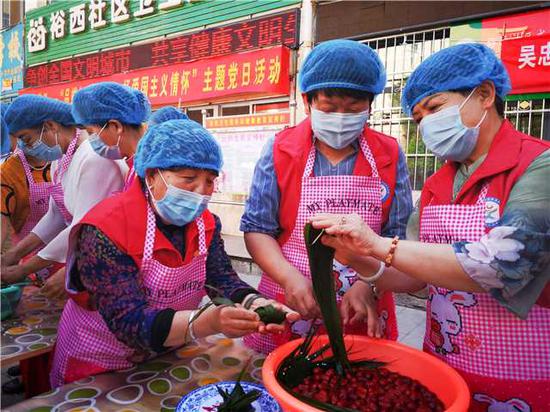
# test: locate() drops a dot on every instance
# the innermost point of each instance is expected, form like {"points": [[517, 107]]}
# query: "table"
{"points": [[156, 385], [32, 331]]}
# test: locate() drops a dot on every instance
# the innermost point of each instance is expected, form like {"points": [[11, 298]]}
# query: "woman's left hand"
{"points": [[54, 287], [361, 302], [291, 315], [349, 234]]}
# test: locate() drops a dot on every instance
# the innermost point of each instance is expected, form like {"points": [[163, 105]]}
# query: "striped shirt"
{"points": [[261, 213]]}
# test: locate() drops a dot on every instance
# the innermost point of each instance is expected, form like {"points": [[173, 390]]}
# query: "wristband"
{"points": [[190, 325], [374, 277], [251, 300]]}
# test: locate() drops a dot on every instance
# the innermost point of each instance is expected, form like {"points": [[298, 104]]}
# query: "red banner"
{"points": [[528, 63], [281, 29], [523, 43], [263, 72]]}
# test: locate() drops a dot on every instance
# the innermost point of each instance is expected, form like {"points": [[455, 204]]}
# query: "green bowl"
{"points": [[10, 297]]}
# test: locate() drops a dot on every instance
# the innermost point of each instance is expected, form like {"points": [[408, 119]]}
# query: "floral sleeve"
{"points": [[512, 261]]}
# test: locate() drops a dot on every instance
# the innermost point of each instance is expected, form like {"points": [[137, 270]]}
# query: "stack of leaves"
{"points": [[238, 400]]}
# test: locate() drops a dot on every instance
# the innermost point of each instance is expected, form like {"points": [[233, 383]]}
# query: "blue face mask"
{"points": [[99, 146], [41, 150], [338, 130], [179, 207], [446, 136]]}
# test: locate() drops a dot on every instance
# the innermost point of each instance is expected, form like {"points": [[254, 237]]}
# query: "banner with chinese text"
{"points": [[263, 72], [12, 59], [521, 40], [70, 28], [268, 31]]}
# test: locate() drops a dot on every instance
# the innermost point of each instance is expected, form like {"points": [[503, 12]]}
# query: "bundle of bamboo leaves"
{"points": [[301, 362]]}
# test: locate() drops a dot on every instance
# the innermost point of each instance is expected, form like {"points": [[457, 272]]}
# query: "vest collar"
{"points": [[503, 155]]}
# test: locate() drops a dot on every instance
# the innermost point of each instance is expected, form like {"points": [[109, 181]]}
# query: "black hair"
{"points": [[499, 103], [340, 92]]}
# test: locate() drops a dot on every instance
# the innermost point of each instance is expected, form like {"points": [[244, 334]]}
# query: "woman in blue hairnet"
{"points": [[484, 231], [140, 262], [332, 162], [45, 129], [166, 113], [114, 116]]}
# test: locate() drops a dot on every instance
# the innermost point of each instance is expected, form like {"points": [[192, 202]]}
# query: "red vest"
{"points": [[123, 219], [290, 151], [509, 156]]}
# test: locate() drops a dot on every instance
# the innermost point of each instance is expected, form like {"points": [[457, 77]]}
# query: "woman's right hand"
{"points": [[235, 321], [299, 296]]}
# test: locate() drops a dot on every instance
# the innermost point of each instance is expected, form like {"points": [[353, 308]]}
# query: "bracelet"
{"points": [[389, 257], [251, 300], [374, 277], [190, 325]]}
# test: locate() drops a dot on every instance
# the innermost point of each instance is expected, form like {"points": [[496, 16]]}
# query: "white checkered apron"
{"points": [[84, 335], [324, 194], [39, 197], [487, 341], [57, 189]]}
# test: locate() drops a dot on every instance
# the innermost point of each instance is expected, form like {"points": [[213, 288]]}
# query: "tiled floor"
{"points": [[411, 324]]}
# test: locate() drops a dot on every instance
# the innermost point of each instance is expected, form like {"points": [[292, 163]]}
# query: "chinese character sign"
{"points": [[523, 43], [263, 72], [528, 63], [12, 58], [219, 41]]}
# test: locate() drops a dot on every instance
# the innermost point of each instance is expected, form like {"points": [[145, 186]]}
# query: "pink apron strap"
{"points": [[66, 159], [150, 232], [368, 155], [308, 170], [203, 250], [26, 166], [482, 194]]}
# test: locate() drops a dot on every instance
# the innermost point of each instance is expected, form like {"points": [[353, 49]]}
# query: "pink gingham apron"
{"points": [[84, 336], [505, 360], [324, 194], [39, 198], [57, 189]]}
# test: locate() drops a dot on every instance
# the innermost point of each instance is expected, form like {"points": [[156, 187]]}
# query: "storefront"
{"points": [[215, 71], [11, 50]]}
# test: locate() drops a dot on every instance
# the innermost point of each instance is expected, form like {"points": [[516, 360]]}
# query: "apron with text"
{"points": [[342, 194], [504, 360], [86, 346]]}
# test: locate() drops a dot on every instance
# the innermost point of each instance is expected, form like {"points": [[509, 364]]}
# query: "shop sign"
{"points": [[92, 14], [522, 41], [220, 41], [12, 58], [262, 72], [249, 120]]}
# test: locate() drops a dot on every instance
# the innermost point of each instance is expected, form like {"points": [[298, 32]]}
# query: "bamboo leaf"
{"points": [[320, 263]]}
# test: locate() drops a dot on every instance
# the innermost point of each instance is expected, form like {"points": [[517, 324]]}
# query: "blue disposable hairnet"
{"points": [[343, 64], [5, 133], [31, 110], [165, 114], [176, 144], [101, 102], [461, 67]]}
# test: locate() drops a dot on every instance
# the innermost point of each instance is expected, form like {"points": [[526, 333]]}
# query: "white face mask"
{"points": [[338, 130], [446, 136]]}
